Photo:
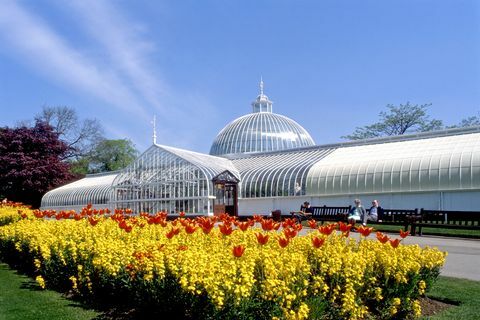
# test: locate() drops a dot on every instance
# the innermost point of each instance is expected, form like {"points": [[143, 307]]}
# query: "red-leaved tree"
{"points": [[30, 162]]}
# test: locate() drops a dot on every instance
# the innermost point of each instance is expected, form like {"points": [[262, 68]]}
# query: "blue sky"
{"points": [[329, 65]]}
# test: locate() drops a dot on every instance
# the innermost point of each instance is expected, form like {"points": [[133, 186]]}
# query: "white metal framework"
{"points": [[94, 189], [169, 179], [260, 131], [277, 174], [450, 162]]}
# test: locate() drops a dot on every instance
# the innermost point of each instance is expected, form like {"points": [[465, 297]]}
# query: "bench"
{"points": [[466, 220], [398, 217], [327, 213]]}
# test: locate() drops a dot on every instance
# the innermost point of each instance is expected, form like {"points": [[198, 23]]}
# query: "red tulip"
{"points": [[312, 224], [261, 238], [326, 230], [190, 228], [93, 221], [243, 225], [290, 233], [225, 229], [318, 242], [344, 227], [267, 225], [238, 251], [404, 234], [174, 231], [365, 231], [395, 242], [283, 242], [383, 238]]}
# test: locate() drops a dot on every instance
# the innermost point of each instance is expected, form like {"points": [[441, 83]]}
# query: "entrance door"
{"points": [[226, 195]]}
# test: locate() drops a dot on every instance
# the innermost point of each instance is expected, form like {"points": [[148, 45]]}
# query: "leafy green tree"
{"points": [[111, 155], [398, 120]]}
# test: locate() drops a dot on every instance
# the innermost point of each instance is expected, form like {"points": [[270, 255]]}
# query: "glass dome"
{"points": [[260, 131]]}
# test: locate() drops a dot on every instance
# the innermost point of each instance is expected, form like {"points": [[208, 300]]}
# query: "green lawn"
{"points": [[21, 298], [465, 294], [432, 231]]}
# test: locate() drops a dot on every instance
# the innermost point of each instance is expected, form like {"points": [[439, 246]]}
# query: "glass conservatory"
{"points": [[171, 180], [265, 161]]}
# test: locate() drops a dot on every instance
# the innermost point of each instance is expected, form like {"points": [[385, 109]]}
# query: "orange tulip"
{"points": [[174, 231], [93, 221], [283, 242], [365, 231], [276, 226], [207, 226], [290, 233], [312, 224], [318, 242], [238, 251], [190, 228], [243, 225], [404, 234], [383, 238], [261, 238], [395, 242], [267, 225], [344, 227], [225, 229], [326, 230]]}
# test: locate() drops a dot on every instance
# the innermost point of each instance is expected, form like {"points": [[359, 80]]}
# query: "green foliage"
{"points": [[21, 298], [468, 122], [111, 155], [465, 294], [398, 120]]}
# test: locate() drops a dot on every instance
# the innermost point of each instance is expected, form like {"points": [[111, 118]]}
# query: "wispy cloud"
{"points": [[128, 80], [44, 49], [129, 50]]}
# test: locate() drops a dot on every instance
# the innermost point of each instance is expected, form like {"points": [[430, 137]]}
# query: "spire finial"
{"points": [[154, 122], [261, 85]]}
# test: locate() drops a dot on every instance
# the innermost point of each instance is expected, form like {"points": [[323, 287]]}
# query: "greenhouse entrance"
{"points": [[226, 195]]}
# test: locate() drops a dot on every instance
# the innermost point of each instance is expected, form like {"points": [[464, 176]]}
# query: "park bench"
{"points": [[325, 213], [398, 217], [466, 220]]}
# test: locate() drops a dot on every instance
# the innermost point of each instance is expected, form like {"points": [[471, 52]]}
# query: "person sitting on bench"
{"points": [[304, 212], [356, 213]]}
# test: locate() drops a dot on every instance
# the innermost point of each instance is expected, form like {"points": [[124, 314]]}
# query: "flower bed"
{"points": [[230, 269]]}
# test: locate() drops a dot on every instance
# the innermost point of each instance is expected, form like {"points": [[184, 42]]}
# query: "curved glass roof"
{"points": [[260, 131], [94, 188], [430, 164]]}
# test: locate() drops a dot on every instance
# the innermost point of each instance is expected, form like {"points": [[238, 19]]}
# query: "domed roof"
{"points": [[260, 131]]}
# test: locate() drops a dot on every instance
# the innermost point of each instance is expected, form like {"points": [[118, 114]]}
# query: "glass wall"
{"points": [[278, 174]]}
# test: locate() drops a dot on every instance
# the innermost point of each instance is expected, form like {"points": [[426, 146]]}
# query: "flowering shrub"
{"points": [[223, 269], [12, 212]]}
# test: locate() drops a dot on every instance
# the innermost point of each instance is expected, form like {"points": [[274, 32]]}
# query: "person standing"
{"points": [[357, 212], [375, 213]]}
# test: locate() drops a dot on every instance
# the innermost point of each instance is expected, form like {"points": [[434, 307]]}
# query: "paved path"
{"points": [[463, 260]]}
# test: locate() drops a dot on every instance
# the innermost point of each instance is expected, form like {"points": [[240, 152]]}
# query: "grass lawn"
{"points": [[432, 231], [464, 294], [21, 298]]}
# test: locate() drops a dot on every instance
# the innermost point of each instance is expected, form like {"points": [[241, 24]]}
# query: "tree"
{"points": [[111, 155], [468, 122], [31, 162], [81, 137], [398, 120]]}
